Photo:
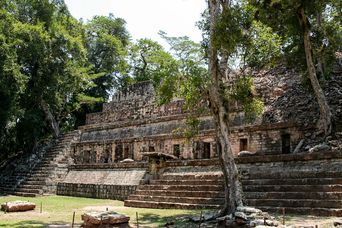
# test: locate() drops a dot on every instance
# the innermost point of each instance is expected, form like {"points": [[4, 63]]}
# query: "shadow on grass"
{"points": [[34, 223], [181, 220]]}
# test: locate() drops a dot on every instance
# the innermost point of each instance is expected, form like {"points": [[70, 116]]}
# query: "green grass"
{"points": [[59, 210]]}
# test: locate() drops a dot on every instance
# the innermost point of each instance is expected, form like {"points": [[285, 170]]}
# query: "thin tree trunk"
{"points": [[324, 123], [233, 189], [50, 118]]}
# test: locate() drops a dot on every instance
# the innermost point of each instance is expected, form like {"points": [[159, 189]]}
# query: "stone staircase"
{"points": [[311, 186], [181, 188], [43, 177], [315, 193]]}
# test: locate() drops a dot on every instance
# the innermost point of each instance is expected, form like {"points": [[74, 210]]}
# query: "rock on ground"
{"points": [[17, 206], [94, 219]]}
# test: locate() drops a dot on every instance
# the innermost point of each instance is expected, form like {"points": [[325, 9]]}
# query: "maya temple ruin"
{"points": [[132, 151]]}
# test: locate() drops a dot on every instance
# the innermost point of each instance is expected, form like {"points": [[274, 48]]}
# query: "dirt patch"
{"points": [[321, 222]]}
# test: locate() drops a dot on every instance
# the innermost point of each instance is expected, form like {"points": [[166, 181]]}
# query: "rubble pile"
{"points": [[247, 217], [286, 99]]}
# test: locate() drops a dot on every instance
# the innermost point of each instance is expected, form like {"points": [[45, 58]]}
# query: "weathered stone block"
{"points": [[98, 219], [17, 206]]}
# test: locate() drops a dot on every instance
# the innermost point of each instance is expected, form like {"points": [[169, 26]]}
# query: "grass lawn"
{"points": [[59, 210]]}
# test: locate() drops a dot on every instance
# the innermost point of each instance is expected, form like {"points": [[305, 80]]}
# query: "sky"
{"points": [[145, 18]]}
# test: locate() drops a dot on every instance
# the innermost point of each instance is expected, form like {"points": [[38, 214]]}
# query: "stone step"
{"points": [[305, 211], [40, 173], [271, 174], [44, 168], [30, 186], [182, 187], [9, 182], [175, 199], [294, 203], [186, 182], [51, 156], [24, 194], [57, 147], [34, 191], [167, 205], [294, 195], [295, 181], [46, 163], [293, 188], [209, 194], [192, 176], [36, 178], [32, 182], [7, 188]]}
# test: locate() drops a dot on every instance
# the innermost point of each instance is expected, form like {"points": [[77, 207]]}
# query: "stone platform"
{"points": [[302, 184]]}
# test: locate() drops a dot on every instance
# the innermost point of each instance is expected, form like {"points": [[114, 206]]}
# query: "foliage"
{"points": [[149, 61], [191, 128], [191, 81], [106, 42], [324, 22], [243, 91], [43, 60], [264, 48]]}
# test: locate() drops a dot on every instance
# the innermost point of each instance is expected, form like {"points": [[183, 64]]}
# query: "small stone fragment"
{"points": [[256, 222], [338, 223], [248, 210], [320, 147], [127, 160], [240, 215], [271, 223], [245, 153]]}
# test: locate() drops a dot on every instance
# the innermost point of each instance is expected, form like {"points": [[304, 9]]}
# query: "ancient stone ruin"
{"points": [[133, 151]]}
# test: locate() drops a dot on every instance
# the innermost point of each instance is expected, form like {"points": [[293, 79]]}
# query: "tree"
{"points": [[198, 88], [149, 61], [45, 61], [303, 24], [12, 82], [106, 42], [219, 11]]}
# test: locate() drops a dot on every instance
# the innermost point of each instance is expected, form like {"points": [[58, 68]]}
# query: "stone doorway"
{"points": [[206, 150], [285, 144]]}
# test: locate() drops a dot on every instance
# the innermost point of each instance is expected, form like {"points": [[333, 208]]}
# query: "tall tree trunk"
{"points": [[50, 118], [324, 123], [233, 189]]}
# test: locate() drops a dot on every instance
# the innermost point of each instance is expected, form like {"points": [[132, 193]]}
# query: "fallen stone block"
{"points": [[245, 153], [248, 209], [319, 148], [18, 206], [108, 218]]}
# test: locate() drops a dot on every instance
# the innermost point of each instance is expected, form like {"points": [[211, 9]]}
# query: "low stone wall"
{"points": [[100, 191], [106, 183]]}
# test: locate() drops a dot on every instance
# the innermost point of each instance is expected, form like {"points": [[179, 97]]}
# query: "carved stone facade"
{"points": [[133, 123]]}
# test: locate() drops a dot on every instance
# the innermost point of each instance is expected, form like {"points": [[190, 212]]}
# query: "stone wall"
{"points": [[119, 176], [294, 165], [115, 144], [100, 191], [105, 183]]}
